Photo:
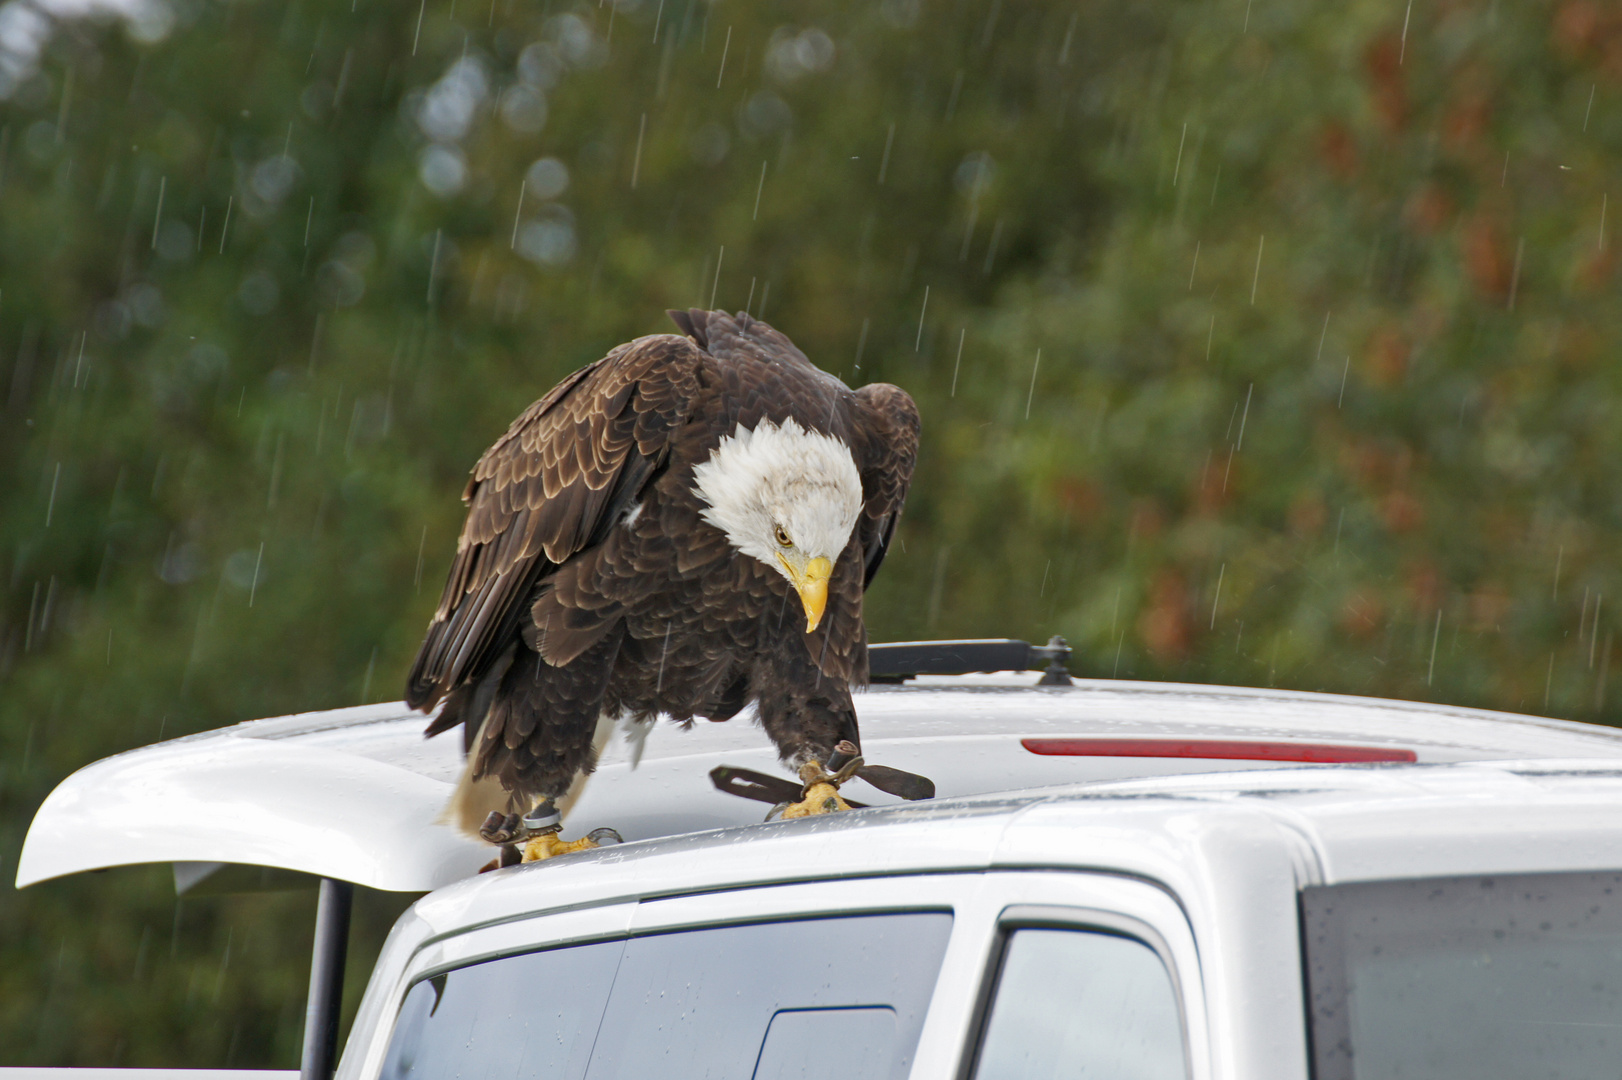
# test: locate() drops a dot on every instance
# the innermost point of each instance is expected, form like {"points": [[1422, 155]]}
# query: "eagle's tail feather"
{"points": [[472, 801], [455, 707], [475, 798]]}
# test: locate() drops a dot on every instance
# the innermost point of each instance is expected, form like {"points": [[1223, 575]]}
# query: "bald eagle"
{"points": [[684, 527]]}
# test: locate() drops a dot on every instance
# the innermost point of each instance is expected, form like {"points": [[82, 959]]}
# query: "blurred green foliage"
{"points": [[1257, 341]]}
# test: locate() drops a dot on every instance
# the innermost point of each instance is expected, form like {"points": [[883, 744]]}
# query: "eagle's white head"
{"points": [[787, 497]]}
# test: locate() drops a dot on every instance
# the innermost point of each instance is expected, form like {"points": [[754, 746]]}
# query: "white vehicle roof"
{"points": [[356, 794], [1204, 836]]}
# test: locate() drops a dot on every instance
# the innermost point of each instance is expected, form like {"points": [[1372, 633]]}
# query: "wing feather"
{"points": [[887, 424], [552, 483]]}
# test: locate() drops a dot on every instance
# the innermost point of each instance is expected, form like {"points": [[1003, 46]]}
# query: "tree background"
{"points": [[1257, 342]]}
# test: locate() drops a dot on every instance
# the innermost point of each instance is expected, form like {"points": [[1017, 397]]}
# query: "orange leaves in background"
{"points": [[1339, 150], [1386, 362], [1466, 123], [1402, 512], [1592, 32], [1488, 606], [1384, 471], [1146, 520], [1362, 613], [1487, 257], [1374, 466], [1388, 89], [1598, 268], [1429, 210], [1308, 514], [1424, 583], [1080, 498], [1165, 626]]}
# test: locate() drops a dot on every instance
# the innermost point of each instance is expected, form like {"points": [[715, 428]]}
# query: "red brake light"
{"points": [[1223, 749]]}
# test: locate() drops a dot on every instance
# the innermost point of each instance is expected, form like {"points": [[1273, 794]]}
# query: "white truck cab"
{"points": [[1114, 879]]}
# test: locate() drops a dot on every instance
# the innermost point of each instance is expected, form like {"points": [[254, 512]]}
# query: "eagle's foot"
{"points": [[820, 795], [547, 845], [535, 837], [819, 799], [501, 829]]}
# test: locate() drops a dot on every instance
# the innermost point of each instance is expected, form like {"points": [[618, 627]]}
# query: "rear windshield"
{"points": [[841, 997], [1512, 978]]}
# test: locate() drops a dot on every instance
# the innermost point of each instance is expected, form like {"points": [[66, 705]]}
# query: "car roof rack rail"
{"points": [[897, 661]]}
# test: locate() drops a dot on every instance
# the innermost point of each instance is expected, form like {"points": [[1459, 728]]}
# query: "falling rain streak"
{"points": [[258, 559], [716, 284], [50, 507], [433, 265], [636, 162], [723, 68], [958, 361], [1257, 278], [1031, 394], [157, 216], [225, 228]]}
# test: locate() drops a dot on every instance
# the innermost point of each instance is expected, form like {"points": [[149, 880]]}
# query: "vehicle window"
{"points": [[704, 1002], [839, 997], [534, 1015], [1081, 1004], [1512, 977]]}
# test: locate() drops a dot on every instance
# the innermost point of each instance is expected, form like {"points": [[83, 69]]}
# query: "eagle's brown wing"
{"points": [[886, 423], [551, 486]]}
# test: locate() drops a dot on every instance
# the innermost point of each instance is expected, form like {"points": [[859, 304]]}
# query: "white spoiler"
{"points": [[353, 795]]}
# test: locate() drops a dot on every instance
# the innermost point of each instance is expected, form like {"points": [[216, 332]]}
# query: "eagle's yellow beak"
{"points": [[812, 585]]}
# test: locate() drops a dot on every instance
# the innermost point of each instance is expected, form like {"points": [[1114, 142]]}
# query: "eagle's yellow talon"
{"points": [[548, 846], [822, 798], [821, 792]]}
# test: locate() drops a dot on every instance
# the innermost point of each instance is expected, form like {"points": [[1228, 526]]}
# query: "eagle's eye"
{"points": [[781, 535]]}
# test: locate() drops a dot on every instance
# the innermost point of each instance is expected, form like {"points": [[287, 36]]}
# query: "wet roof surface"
{"points": [[356, 793]]}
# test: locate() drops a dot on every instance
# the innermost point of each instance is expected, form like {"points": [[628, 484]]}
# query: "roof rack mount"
{"points": [[898, 661]]}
